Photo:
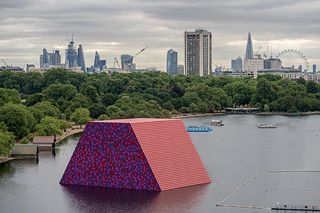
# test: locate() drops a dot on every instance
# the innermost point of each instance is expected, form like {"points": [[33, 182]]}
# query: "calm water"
{"points": [[232, 154]]}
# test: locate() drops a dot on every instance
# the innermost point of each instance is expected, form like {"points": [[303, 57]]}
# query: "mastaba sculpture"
{"points": [[141, 154]]}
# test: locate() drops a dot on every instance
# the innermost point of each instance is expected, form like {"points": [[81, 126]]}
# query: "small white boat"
{"points": [[267, 126], [216, 123]]}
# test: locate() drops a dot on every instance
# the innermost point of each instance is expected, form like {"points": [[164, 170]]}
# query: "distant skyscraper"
{"points": [[172, 62], [198, 52], [236, 64], [48, 60], [71, 56], [44, 59], [249, 48], [314, 69], [96, 59], [180, 69], [126, 61], [80, 60], [98, 63]]}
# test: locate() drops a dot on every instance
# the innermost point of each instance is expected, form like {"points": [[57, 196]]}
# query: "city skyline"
{"points": [[31, 25]]}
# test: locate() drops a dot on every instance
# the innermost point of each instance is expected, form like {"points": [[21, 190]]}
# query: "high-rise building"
{"points": [[48, 60], [80, 60], [314, 69], [127, 62], [44, 59], [96, 59], [172, 62], [198, 52], [98, 63], [249, 48], [236, 64], [71, 56], [273, 63], [75, 57], [180, 69]]}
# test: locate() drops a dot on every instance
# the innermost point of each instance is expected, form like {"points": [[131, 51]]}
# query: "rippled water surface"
{"points": [[232, 154]]}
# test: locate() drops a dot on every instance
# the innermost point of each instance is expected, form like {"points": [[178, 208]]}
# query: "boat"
{"points": [[199, 129], [216, 123], [267, 126]]}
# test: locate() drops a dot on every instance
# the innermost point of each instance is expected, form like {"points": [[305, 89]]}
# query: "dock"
{"points": [[297, 208]]}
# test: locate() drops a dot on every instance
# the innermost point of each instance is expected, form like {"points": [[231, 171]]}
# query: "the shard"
{"points": [[249, 49]]}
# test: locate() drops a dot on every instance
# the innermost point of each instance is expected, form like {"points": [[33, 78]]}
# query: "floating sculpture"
{"points": [[141, 154]]}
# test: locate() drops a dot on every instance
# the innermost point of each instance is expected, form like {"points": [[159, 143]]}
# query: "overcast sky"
{"points": [[114, 27]]}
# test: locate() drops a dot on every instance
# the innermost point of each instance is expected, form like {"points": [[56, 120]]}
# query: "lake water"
{"points": [[232, 154]]}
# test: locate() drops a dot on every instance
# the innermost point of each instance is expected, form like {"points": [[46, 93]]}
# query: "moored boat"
{"points": [[267, 126], [199, 129], [216, 123]]}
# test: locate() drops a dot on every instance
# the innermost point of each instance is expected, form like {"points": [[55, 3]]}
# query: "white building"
{"points": [[198, 52], [253, 65]]}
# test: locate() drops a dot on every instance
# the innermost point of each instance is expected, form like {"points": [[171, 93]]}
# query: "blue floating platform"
{"points": [[199, 129]]}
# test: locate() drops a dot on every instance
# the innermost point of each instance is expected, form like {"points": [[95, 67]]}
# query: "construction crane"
{"points": [[116, 62], [4, 62], [140, 52]]}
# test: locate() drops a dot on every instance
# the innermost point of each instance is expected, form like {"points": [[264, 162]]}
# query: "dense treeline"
{"points": [[30, 102]]}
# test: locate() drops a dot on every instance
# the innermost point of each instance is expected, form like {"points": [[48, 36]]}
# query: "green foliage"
{"points": [[7, 141], [9, 96], [47, 109], [80, 116], [103, 117], [17, 118], [25, 140], [59, 93], [3, 127], [51, 126]]}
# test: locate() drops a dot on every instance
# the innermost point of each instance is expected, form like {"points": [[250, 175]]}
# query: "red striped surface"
{"points": [[170, 153]]}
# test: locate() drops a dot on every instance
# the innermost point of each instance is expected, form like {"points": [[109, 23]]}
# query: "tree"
{"points": [[80, 116], [25, 140], [312, 87], [96, 110], [47, 109], [49, 126], [17, 118], [7, 141], [103, 117], [9, 95]]}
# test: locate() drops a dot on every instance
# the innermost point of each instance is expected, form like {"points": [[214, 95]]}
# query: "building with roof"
{"points": [[140, 154], [44, 143], [25, 151]]}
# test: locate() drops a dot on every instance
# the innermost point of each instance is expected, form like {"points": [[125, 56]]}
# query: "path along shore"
{"points": [[69, 132]]}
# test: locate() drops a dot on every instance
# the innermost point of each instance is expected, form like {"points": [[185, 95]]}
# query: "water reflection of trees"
{"points": [[6, 170]]}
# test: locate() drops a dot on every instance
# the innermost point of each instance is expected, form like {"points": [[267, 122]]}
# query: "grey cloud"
{"points": [[30, 25]]}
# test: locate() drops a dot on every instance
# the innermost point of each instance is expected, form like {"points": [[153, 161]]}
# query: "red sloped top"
{"points": [[170, 153]]}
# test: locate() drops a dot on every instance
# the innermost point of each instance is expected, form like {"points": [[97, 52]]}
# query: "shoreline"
{"points": [[195, 115], [72, 131]]}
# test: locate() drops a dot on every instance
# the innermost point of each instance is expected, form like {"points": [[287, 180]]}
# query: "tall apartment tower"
{"points": [[172, 62], [198, 52]]}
